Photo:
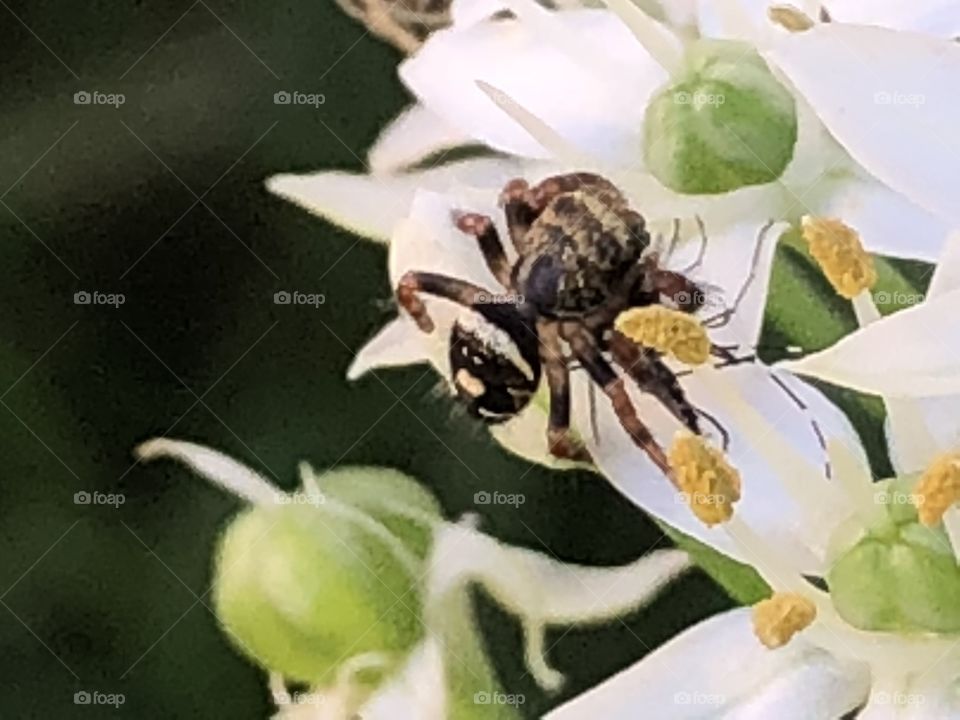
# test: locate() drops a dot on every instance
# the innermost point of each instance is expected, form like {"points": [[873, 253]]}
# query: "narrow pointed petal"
{"points": [[766, 504], [946, 275], [888, 222], [413, 136], [718, 669], [935, 17], [555, 83], [533, 584], [884, 86], [220, 469], [372, 206], [398, 343], [913, 353]]}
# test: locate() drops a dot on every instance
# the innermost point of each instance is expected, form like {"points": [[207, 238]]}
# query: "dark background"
{"points": [[113, 600]]}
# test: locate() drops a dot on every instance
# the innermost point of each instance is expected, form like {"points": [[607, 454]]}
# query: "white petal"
{"points": [[469, 12], [732, 255], [744, 19], [717, 669], [918, 429], [418, 692], [398, 343], [222, 470], [937, 17], [556, 84], [884, 87], [946, 275], [372, 205], [767, 506], [888, 222], [413, 136], [913, 353]]}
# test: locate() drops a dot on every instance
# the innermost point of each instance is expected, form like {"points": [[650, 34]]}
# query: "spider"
{"points": [[583, 257]]}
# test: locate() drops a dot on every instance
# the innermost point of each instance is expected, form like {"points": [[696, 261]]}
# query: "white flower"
{"points": [[884, 638], [427, 241], [448, 668], [571, 88]]}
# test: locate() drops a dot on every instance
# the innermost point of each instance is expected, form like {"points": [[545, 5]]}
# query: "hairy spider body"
{"points": [[582, 259]]}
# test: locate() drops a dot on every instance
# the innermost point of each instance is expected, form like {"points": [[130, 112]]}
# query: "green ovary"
{"points": [[901, 577], [724, 123]]}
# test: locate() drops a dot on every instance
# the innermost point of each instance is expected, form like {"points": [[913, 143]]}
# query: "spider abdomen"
{"points": [[575, 255]]}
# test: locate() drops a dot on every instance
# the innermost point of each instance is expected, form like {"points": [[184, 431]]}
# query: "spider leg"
{"points": [[485, 231], [459, 291], [703, 247], [686, 294], [519, 210], [585, 349], [723, 317], [559, 439], [652, 376]]}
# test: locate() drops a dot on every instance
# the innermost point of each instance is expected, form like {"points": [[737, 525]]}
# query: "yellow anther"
{"points": [[838, 251], [939, 488], [790, 18], [709, 484], [777, 619], [667, 331]]}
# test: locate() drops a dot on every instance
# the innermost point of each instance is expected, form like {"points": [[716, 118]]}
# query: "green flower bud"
{"points": [[301, 587], [903, 576], [726, 122]]}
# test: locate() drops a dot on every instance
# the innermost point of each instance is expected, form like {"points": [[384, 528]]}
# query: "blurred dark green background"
{"points": [[105, 599]]}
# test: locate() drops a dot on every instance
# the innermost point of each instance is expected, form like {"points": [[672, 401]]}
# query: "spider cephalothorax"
{"points": [[583, 257]]}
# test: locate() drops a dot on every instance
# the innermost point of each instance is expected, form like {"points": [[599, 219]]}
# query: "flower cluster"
{"points": [[737, 128]]}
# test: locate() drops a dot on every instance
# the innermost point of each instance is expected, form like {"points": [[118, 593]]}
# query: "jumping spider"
{"points": [[583, 257]]}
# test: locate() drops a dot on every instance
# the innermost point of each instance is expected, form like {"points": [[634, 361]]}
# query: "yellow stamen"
{"points": [[777, 619], [667, 331], [939, 488], [838, 251], [790, 18], [708, 482]]}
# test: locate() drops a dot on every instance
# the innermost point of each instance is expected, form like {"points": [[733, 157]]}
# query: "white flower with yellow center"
{"points": [[428, 241], [878, 630], [357, 588], [722, 114]]}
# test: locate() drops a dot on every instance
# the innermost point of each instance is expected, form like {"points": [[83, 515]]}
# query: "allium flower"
{"points": [[355, 586], [881, 632], [428, 241], [834, 119]]}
